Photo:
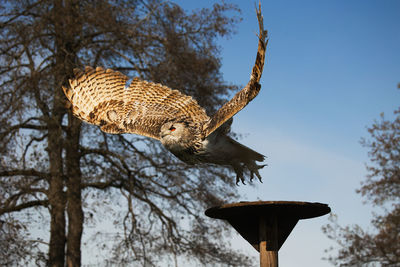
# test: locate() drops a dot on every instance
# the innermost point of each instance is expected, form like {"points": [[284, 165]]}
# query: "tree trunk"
{"points": [[64, 14], [74, 198], [56, 197]]}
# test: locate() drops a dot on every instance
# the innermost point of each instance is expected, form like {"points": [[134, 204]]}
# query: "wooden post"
{"points": [[268, 238]]}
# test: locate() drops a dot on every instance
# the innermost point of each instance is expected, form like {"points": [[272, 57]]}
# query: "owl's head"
{"points": [[175, 135]]}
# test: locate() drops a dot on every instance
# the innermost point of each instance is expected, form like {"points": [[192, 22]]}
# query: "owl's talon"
{"points": [[239, 178]]}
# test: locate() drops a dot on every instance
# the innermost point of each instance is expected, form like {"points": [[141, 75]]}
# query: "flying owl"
{"points": [[101, 97]]}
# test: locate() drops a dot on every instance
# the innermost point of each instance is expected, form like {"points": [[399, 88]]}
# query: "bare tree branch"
{"points": [[23, 206]]}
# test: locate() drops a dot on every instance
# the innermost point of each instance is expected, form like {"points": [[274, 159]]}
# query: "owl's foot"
{"points": [[255, 171], [252, 167]]}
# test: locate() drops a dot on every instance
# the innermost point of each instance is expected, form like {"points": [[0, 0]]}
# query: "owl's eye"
{"points": [[172, 128]]}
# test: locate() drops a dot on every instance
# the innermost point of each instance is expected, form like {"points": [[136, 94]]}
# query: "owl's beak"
{"points": [[163, 134]]}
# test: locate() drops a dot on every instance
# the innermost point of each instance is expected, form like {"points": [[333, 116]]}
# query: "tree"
{"points": [[382, 189], [58, 173]]}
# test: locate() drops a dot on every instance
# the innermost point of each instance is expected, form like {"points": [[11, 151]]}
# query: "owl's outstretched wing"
{"points": [[101, 97], [242, 98]]}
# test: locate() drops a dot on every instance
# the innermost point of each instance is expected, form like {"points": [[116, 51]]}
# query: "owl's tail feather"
{"points": [[245, 161]]}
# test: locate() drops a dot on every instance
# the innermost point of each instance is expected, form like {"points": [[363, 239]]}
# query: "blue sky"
{"points": [[332, 67]]}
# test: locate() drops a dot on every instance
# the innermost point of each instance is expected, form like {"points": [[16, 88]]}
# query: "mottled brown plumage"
{"points": [[102, 97]]}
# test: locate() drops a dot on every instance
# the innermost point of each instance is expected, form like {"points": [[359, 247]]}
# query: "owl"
{"points": [[100, 97]]}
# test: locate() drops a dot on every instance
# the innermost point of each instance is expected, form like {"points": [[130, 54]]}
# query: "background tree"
{"points": [[382, 189], [57, 174]]}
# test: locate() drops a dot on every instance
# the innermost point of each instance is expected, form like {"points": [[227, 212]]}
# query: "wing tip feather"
{"points": [[67, 91]]}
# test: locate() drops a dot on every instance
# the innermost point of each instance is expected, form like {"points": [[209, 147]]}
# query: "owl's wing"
{"points": [[101, 97], [242, 98]]}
